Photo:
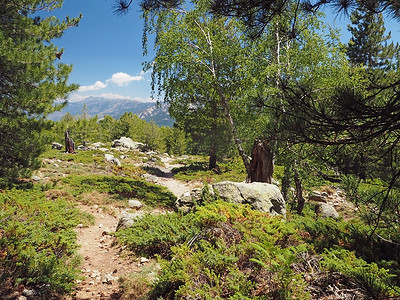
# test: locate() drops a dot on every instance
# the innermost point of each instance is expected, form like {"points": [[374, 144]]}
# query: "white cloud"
{"points": [[122, 79], [98, 85]]}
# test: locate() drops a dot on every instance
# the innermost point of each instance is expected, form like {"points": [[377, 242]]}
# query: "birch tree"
{"points": [[198, 69]]}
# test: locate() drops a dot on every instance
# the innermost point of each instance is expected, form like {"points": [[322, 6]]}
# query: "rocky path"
{"points": [[103, 264]]}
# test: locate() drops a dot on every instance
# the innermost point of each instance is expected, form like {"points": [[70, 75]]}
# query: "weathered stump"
{"points": [[262, 163], [69, 143]]}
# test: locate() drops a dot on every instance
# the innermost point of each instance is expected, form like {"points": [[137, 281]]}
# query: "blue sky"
{"points": [[106, 49]]}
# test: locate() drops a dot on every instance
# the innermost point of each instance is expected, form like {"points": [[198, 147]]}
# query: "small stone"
{"points": [[143, 260], [106, 232], [36, 178], [79, 226], [135, 204], [108, 278], [100, 225], [29, 293]]}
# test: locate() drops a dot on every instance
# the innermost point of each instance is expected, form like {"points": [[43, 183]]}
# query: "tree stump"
{"points": [[262, 163], [69, 143]]}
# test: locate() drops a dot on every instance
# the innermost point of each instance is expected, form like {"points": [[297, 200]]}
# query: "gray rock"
{"points": [[261, 196], [317, 197], [36, 178], [96, 145], [127, 220], [57, 146], [126, 142], [82, 148], [29, 293], [325, 210], [133, 203], [187, 201], [111, 159]]}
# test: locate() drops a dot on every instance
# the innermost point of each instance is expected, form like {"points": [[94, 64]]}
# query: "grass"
{"points": [[229, 169]]}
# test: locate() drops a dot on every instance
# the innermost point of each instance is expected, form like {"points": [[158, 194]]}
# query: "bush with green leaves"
{"points": [[219, 251], [37, 242], [230, 169], [82, 157], [377, 282], [124, 187], [224, 250], [156, 234]]}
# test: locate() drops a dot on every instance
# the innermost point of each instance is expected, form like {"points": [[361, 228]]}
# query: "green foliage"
{"points": [[229, 169], [369, 45], [373, 197], [199, 69], [153, 137], [84, 130], [38, 241], [151, 194], [81, 157], [378, 282], [220, 251], [31, 82], [156, 234], [175, 140], [324, 232]]}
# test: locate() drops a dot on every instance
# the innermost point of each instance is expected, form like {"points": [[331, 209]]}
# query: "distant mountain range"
{"points": [[116, 108]]}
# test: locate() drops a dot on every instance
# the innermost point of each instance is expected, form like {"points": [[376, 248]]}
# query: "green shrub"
{"points": [[85, 157], [37, 241], [377, 282], [218, 251], [149, 193], [156, 234], [230, 169], [228, 251]]}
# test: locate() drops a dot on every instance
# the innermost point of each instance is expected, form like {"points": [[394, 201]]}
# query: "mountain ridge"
{"points": [[102, 106]]}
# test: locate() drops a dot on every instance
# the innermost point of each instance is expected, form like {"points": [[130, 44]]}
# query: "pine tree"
{"points": [[30, 82], [369, 45]]}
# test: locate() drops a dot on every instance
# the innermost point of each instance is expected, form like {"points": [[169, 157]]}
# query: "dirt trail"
{"points": [[103, 263]]}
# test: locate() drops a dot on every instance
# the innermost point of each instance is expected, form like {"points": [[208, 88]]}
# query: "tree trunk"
{"points": [[69, 143], [212, 162], [299, 191], [286, 182], [261, 166], [238, 143]]}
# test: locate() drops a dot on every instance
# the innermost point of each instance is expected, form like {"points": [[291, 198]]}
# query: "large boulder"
{"points": [[261, 196], [125, 142]]}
